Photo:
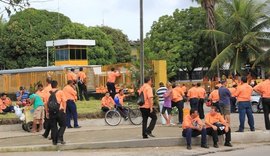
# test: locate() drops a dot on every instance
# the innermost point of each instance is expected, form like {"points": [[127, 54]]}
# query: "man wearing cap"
{"points": [[21, 96]]}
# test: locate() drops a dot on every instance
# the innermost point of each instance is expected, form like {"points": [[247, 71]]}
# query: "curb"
{"points": [[237, 138]]}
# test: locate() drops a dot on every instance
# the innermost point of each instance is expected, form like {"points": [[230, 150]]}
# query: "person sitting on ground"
{"points": [[107, 102], [192, 127], [22, 95], [119, 103], [38, 116], [217, 125], [5, 104]]}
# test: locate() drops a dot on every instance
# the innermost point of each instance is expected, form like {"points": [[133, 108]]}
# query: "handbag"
{"points": [[220, 127], [140, 100]]}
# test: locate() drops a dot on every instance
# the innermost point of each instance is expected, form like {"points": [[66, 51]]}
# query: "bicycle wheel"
{"points": [[113, 118], [135, 116]]}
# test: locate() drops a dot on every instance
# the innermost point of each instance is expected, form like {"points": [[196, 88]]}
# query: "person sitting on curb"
{"points": [[192, 127], [216, 125], [107, 103], [22, 95], [5, 104]]}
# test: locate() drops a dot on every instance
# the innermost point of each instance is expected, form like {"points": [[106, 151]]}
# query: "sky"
{"points": [[119, 14]]}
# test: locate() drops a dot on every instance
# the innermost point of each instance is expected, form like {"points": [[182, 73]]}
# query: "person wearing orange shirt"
{"points": [[71, 109], [184, 89], [216, 125], [243, 95], [214, 98], [193, 127], [5, 104], [193, 97], [264, 89], [147, 108], [82, 84], [107, 102], [201, 96], [119, 102], [233, 98], [177, 101], [72, 76], [58, 118], [111, 81], [48, 88]]}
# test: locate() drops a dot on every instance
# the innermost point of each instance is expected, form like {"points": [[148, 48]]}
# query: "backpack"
{"points": [[140, 100], [53, 105]]}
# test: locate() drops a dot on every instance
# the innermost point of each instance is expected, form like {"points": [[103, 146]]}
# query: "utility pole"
{"points": [[141, 45]]}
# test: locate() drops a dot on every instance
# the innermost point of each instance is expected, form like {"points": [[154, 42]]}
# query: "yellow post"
{"points": [[160, 72]]}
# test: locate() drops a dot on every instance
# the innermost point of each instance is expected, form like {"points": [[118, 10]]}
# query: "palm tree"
{"points": [[209, 6], [241, 28]]}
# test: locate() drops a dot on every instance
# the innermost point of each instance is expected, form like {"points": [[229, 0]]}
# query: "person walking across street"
{"points": [[111, 81], [224, 101], [192, 127], [193, 97], [71, 108], [243, 94], [82, 85], [201, 96], [147, 109], [263, 88], [160, 92], [216, 125], [57, 115], [167, 106]]}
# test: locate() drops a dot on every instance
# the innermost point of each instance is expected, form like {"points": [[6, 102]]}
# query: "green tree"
{"points": [[25, 34], [241, 31], [102, 53], [177, 39], [121, 44]]}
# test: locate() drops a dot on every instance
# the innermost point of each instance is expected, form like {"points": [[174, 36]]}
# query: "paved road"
{"points": [[237, 150]]}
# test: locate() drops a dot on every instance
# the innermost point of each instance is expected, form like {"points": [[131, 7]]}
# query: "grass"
{"points": [[83, 107]]}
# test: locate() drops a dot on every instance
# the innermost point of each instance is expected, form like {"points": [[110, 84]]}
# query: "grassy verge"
{"points": [[83, 107]]}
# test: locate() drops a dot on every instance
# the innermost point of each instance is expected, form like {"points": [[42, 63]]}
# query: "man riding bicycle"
{"points": [[119, 104]]}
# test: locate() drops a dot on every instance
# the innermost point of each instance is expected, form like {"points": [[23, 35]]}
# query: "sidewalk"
{"points": [[96, 134]]}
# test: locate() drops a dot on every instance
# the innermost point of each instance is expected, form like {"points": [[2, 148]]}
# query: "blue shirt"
{"points": [[224, 95], [25, 95]]}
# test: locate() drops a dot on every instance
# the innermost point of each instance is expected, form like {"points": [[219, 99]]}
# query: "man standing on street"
{"points": [[160, 92], [201, 96], [57, 117], [224, 101], [193, 97], [243, 94], [147, 108], [263, 88]]}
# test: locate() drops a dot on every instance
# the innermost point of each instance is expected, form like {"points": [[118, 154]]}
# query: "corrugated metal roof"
{"points": [[41, 69]]}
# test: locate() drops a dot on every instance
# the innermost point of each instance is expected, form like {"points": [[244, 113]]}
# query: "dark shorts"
{"points": [[225, 109], [169, 110]]}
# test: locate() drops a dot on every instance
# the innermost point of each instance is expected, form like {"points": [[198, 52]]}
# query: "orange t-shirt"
{"points": [[210, 119], [70, 93], [61, 99], [263, 88], [184, 89], [107, 102], [201, 92], [192, 93], [71, 76], [44, 95], [48, 88], [7, 101], [232, 90], [121, 98], [148, 94], [2, 106], [82, 76], [243, 92], [189, 122], [178, 94], [214, 96], [112, 76]]}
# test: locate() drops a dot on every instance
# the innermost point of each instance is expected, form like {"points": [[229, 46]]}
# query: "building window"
{"points": [[61, 54]]}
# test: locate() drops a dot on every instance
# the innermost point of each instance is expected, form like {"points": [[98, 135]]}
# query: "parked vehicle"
{"points": [[256, 102]]}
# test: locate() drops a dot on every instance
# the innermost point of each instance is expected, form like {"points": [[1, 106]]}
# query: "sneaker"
{"points": [[189, 147], [204, 146], [216, 146], [228, 144], [172, 124], [252, 129], [150, 134], [61, 142], [145, 137], [54, 143], [69, 127], [239, 130]]}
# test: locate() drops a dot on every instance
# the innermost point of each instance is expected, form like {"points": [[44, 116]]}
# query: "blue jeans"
{"points": [[243, 109], [189, 132], [194, 103], [71, 111]]}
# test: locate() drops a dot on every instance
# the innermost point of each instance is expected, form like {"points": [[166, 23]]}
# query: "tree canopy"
{"points": [[177, 39]]}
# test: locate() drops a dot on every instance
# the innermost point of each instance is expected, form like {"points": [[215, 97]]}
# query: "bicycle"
{"points": [[113, 117]]}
